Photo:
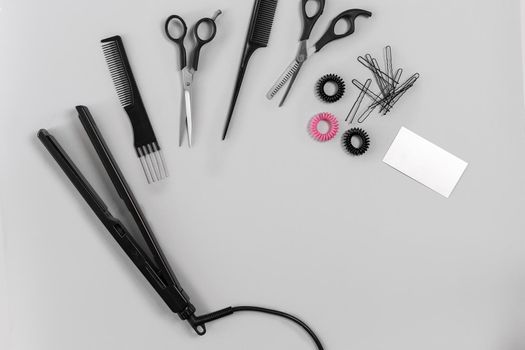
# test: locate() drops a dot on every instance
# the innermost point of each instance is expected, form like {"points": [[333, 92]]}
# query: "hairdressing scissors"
{"points": [[188, 69], [305, 51]]}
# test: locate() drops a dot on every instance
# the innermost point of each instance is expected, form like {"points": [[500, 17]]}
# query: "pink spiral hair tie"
{"points": [[333, 127]]}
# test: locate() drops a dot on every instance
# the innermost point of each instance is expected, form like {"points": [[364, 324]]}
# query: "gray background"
{"points": [[371, 259]]}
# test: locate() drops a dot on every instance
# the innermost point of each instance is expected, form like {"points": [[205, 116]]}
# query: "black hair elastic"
{"points": [[330, 78], [362, 136]]}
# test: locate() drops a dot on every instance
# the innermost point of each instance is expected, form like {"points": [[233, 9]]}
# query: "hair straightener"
{"points": [[156, 270]]}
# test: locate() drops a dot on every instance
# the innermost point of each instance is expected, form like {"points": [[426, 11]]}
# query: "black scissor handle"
{"points": [[202, 41], [179, 40], [309, 21], [331, 35]]}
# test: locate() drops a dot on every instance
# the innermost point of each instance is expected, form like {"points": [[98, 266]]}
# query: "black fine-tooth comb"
{"points": [[146, 145], [258, 36]]}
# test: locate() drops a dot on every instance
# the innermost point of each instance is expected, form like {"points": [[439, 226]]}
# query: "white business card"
{"points": [[425, 162]]}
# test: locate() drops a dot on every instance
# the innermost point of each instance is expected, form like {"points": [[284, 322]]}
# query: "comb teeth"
{"points": [[119, 74], [264, 13]]}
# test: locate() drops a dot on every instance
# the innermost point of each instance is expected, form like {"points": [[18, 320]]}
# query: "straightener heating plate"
{"points": [[425, 162]]}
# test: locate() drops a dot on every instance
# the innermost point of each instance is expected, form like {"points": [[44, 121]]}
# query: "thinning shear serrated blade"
{"points": [[290, 72], [290, 84]]}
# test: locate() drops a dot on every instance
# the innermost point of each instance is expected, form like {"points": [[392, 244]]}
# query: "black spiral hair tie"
{"points": [[362, 135], [330, 78]]}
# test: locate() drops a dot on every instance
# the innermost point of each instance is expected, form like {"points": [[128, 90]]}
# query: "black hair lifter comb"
{"points": [[146, 145], [156, 269], [258, 36]]}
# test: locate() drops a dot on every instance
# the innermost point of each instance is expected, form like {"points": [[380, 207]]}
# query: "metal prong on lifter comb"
{"points": [[144, 165], [160, 160], [161, 155], [357, 103], [159, 164], [147, 158], [162, 167], [154, 162]]}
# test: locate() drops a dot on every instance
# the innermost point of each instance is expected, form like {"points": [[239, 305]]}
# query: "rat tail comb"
{"points": [[145, 141], [258, 36]]}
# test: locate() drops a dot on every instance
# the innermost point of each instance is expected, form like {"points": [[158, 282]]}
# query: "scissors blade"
{"points": [[182, 119], [283, 79], [186, 116], [292, 81], [290, 74], [189, 120]]}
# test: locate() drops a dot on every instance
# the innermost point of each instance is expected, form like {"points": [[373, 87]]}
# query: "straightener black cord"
{"points": [[201, 320], [284, 315]]}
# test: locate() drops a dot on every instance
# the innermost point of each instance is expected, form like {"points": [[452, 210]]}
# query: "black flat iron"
{"points": [[156, 270]]}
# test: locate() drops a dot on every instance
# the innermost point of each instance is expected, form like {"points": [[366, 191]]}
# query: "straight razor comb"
{"points": [[145, 141]]}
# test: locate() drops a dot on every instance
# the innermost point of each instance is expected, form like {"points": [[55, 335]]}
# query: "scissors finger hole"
{"points": [[312, 8], [205, 30], [176, 28], [343, 26]]}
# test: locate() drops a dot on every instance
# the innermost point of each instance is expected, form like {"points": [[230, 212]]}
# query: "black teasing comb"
{"points": [[146, 145], [258, 36]]}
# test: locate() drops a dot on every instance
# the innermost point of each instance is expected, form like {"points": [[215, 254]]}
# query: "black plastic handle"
{"points": [[331, 35], [202, 41], [309, 21], [178, 40]]}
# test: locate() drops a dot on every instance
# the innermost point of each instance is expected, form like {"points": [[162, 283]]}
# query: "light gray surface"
{"points": [[371, 259], [4, 310]]}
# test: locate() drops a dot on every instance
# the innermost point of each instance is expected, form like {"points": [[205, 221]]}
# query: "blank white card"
{"points": [[425, 162]]}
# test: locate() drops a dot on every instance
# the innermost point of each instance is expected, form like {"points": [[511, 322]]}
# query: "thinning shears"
{"points": [[305, 51], [188, 70]]}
